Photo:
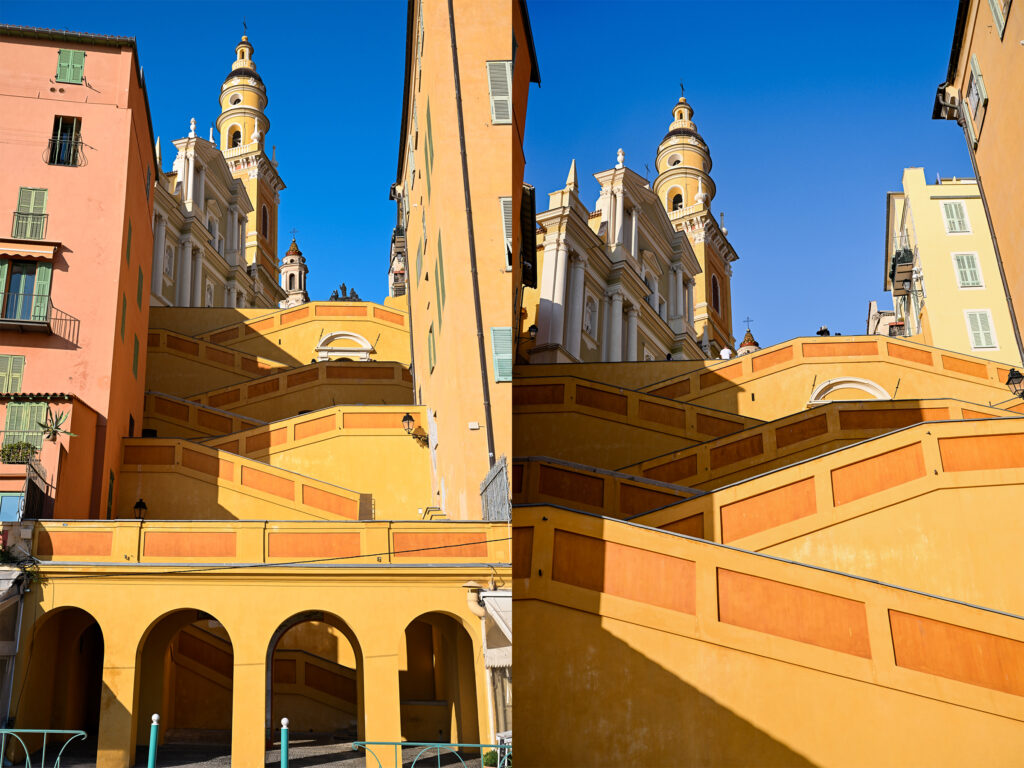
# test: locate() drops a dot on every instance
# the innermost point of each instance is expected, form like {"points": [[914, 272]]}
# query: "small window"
{"points": [[131, 425], [30, 218], [138, 290], [265, 222], [66, 142], [291, 282], [128, 250], [501, 352], [70, 66], [11, 506], [135, 358], [716, 294], [124, 314], [419, 259], [677, 202], [236, 139], [22, 424], [999, 10], [979, 325], [956, 217], [499, 81], [968, 274], [110, 494], [506, 220], [25, 290], [12, 370], [431, 353]]}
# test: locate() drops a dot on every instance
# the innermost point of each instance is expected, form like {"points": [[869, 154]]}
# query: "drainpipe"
{"points": [[962, 121], [472, 244]]}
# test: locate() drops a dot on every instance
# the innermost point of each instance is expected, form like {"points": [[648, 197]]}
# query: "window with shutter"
{"points": [[41, 291], [506, 220], [979, 323], [70, 66], [956, 217], [23, 423], [419, 259], [124, 313], [412, 169], [431, 354], [440, 271], [501, 351], [499, 80], [12, 369], [135, 358], [77, 66], [30, 218], [110, 494], [128, 250], [999, 14], [138, 291], [968, 273]]}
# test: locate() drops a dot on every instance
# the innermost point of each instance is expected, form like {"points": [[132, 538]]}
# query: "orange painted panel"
{"points": [[909, 353], [675, 470], [294, 317], [391, 317], [251, 364], [574, 486], [284, 671], [264, 440], [889, 418], [721, 375], [771, 359], [672, 391], [210, 465], [225, 335], [260, 325], [604, 401], [634, 500], [190, 544], [712, 425], [962, 454], [313, 544], [330, 502], [739, 450], [840, 349], [969, 414], [767, 510], [663, 414], [627, 572], [303, 377], [522, 552], [796, 613], [331, 683], [149, 454], [688, 526], [272, 484], [215, 421], [153, 340], [359, 420], [357, 371], [205, 654], [263, 388], [182, 345], [231, 446], [74, 543], [958, 653], [801, 430], [964, 366], [538, 394], [220, 356], [887, 470], [170, 408], [225, 398], [315, 427], [440, 546], [322, 311]]}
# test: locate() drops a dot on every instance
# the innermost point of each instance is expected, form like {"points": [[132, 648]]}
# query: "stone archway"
{"points": [[343, 344]]}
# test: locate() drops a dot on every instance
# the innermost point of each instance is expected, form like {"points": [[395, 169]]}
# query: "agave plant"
{"points": [[52, 426]]}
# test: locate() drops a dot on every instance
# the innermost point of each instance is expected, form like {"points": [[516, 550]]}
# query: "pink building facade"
{"points": [[75, 264]]}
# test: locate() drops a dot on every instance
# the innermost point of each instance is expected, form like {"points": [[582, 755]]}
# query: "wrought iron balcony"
{"points": [[29, 226], [65, 152], [35, 312], [20, 446]]}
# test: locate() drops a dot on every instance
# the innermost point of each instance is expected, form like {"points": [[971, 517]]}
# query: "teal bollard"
{"points": [[154, 734], [284, 742]]}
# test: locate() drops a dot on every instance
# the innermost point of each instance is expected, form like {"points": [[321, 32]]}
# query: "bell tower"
{"points": [[686, 189], [243, 127]]}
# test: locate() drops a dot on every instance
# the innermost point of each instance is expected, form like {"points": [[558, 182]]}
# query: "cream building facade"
{"points": [[942, 271]]}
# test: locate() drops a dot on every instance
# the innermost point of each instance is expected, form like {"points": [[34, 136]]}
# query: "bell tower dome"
{"points": [[684, 165], [243, 99]]}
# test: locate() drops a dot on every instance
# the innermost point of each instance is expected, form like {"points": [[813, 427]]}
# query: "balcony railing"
{"points": [[29, 226], [899, 329], [20, 446], [65, 152], [35, 312]]}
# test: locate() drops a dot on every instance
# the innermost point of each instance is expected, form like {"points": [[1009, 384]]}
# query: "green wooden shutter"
{"points": [[440, 269], [5, 372], [968, 274], [17, 372], [997, 14], [138, 291], [499, 81], [128, 250], [36, 419], [41, 302], [419, 259], [981, 330], [506, 221], [63, 66], [3, 281], [135, 358], [956, 220], [430, 347], [77, 69], [110, 494], [501, 352], [14, 426], [124, 313]]}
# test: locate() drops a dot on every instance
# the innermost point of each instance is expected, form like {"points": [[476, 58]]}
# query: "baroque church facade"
{"points": [[646, 274]]}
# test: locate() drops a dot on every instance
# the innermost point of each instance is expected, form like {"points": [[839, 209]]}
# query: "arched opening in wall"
{"points": [[185, 672], [716, 294], [343, 346], [437, 682], [61, 687], [315, 679], [291, 282], [265, 222], [674, 160], [236, 138], [675, 197]]}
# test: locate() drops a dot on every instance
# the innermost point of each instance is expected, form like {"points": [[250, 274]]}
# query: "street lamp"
{"points": [[139, 509], [532, 330], [407, 422], [1015, 383]]}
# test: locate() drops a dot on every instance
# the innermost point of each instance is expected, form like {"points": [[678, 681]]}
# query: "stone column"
{"points": [[556, 318], [605, 312], [681, 302], [198, 300], [183, 282], [574, 324], [159, 244], [201, 188], [620, 199], [189, 181], [631, 315], [615, 326], [634, 233], [689, 302]]}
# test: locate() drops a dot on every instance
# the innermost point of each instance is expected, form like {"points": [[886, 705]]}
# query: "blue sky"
{"points": [[334, 73], [811, 111]]}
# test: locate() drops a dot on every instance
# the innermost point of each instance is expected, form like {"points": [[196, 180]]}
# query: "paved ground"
{"points": [[302, 753]]}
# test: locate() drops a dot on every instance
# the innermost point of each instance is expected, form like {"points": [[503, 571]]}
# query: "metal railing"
{"points": [[20, 446], [899, 329], [37, 308], [65, 152], [431, 751], [17, 734], [29, 226]]}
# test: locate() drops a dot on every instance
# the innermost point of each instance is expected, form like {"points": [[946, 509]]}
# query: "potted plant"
{"points": [[17, 453]]}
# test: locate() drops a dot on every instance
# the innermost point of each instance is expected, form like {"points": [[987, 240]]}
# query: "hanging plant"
{"points": [[53, 423]]}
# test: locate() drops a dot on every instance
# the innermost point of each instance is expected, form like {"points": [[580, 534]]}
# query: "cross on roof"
{"points": [[294, 232], [748, 321], [245, 29], [682, 89]]}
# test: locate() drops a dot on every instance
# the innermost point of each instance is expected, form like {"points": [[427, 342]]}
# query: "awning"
{"points": [[38, 250]]}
